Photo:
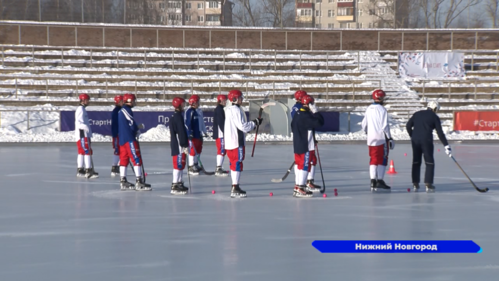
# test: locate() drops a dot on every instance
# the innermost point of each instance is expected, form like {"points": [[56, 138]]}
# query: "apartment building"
{"points": [[197, 13], [329, 14]]}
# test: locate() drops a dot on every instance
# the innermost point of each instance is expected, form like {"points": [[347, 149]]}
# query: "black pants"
{"points": [[420, 148]]}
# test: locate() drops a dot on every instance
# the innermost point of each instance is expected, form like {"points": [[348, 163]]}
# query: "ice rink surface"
{"points": [[55, 226]]}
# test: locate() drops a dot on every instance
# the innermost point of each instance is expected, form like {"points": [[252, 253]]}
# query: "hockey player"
{"points": [[235, 129], [420, 128], [179, 144], [115, 169], [218, 134], [196, 130], [129, 147], [298, 96], [375, 124], [303, 125], [83, 134]]}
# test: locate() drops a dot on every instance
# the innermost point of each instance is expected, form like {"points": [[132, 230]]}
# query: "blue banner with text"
{"points": [[396, 246]]}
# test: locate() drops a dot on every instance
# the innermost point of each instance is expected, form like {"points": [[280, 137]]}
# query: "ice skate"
{"points": [[220, 172], [237, 192], [193, 170], [178, 189], [140, 185], [381, 187], [115, 171], [373, 184], [125, 185], [313, 187], [80, 172], [415, 187], [91, 174], [301, 192], [430, 188]]}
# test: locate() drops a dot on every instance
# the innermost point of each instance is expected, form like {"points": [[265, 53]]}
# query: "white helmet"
{"points": [[433, 105]]}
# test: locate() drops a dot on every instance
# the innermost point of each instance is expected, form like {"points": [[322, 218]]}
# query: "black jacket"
{"points": [[421, 125], [218, 120], [178, 133], [302, 122]]}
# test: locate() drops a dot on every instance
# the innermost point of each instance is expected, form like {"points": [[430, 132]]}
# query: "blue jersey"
{"points": [[295, 109], [114, 121], [192, 123], [127, 127]]}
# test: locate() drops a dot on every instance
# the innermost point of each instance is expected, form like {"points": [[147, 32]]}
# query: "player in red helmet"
{"points": [[218, 134], [115, 168], [379, 140], [196, 131], [179, 144], [83, 134], [298, 96], [303, 125], [235, 129], [128, 130]]}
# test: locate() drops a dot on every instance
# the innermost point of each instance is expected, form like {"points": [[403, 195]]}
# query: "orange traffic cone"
{"points": [[392, 168]]}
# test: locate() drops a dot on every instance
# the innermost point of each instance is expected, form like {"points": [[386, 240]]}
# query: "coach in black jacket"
{"points": [[179, 144], [420, 128]]}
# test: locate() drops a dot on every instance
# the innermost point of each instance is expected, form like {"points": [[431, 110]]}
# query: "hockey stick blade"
{"points": [[285, 175], [472, 183], [207, 173]]}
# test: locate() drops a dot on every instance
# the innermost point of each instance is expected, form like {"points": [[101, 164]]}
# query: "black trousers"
{"points": [[419, 149]]}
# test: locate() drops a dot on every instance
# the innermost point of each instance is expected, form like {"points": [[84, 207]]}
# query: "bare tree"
{"points": [[455, 8], [247, 13], [278, 12], [492, 9]]}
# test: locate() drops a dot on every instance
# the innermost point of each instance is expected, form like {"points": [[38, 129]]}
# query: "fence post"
{"points": [[327, 60], [27, 123], [198, 60], [106, 88], [472, 61], [300, 60], [273, 89], [118, 59], [46, 88], [349, 121], [3, 59], [173, 60], [224, 59], [353, 94], [250, 61], [145, 59], [62, 57], [192, 87], [497, 60], [76, 86], [16, 87], [475, 87], [33, 55], [164, 89], [275, 60], [424, 83], [135, 87], [91, 59], [327, 90], [358, 60], [448, 90], [300, 84], [219, 87]]}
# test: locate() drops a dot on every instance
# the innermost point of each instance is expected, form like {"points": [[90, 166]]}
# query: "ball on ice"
{"points": [[271, 194], [324, 195], [213, 192]]}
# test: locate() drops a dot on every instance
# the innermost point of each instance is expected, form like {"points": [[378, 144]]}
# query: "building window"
{"points": [[200, 18], [306, 12], [318, 25], [212, 17], [188, 5], [345, 0], [382, 11], [162, 19], [175, 5], [213, 5], [360, 25], [162, 6], [343, 25], [330, 13], [188, 18], [345, 11], [330, 25], [360, 13], [318, 1], [330, 1], [359, 1], [318, 13], [200, 5], [371, 12]]}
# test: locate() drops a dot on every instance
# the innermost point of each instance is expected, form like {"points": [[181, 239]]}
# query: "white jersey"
{"points": [[375, 124], [235, 120], [202, 125], [82, 123]]}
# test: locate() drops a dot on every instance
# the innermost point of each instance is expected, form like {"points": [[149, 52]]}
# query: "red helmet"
{"points": [[299, 94], [177, 102], [306, 100], [129, 97], [221, 98], [379, 95], [118, 99], [234, 95], [193, 99], [84, 97]]}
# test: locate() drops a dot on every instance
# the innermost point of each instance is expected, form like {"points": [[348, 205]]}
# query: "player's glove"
{"points": [[392, 144], [258, 121], [185, 150], [312, 107], [448, 151]]}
